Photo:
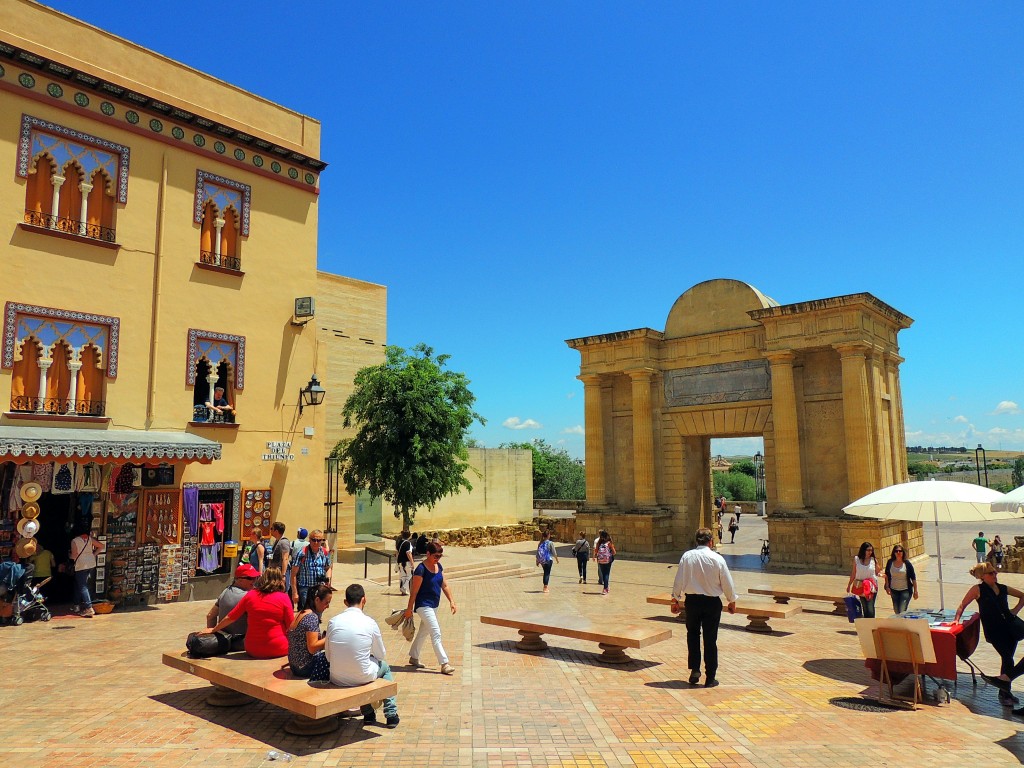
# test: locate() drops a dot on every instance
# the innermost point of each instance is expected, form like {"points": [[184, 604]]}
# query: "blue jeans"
{"points": [[547, 571], [604, 572], [901, 599], [390, 705], [82, 597], [867, 607]]}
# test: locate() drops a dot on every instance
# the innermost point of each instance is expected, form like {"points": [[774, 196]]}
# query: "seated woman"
{"points": [[305, 641], [269, 613]]}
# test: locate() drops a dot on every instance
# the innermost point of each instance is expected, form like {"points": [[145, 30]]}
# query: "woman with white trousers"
{"points": [[428, 582]]}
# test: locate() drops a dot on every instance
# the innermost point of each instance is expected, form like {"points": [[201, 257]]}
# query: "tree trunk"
{"points": [[406, 520]]}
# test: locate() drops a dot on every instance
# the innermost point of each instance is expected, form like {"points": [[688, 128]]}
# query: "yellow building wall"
{"points": [[152, 283], [351, 325], [502, 480]]}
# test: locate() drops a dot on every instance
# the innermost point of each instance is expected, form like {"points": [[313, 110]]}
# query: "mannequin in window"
{"points": [[220, 405]]}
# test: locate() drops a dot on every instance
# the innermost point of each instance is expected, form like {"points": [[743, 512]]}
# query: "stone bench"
{"points": [[237, 676], [612, 635], [757, 614], [783, 596]]}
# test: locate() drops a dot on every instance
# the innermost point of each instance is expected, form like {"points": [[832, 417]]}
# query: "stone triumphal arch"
{"points": [[819, 380]]}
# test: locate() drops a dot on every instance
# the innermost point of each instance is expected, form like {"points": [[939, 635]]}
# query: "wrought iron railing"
{"points": [[57, 406], [220, 260], [70, 226]]}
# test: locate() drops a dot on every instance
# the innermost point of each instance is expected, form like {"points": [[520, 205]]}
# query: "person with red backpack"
{"points": [[604, 553]]}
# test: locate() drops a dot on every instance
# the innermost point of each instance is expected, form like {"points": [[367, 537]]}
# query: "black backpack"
{"points": [[216, 644]]}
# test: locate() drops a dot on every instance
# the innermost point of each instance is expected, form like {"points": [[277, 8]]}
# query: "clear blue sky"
{"points": [[522, 173]]}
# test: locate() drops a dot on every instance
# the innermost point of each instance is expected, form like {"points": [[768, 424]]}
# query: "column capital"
{"points": [[85, 187], [57, 179], [893, 359], [780, 357], [853, 349], [591, 379], [219, 223], [45, 362], [641, 374], [74, 365]]}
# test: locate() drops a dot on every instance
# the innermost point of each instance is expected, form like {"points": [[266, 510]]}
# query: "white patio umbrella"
{"points": [[939, 501], [1012, 502]]}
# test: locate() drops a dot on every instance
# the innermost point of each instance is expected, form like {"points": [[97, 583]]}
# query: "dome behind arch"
{"points": [[715, 305]]}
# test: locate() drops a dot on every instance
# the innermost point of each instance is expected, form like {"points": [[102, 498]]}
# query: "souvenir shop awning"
{"points": [[21, 444]]}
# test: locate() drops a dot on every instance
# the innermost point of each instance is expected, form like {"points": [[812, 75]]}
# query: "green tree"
{"points": [[920, 468], [411, 417], [1017, 473], [735, 486], [746, 466], [556, 475]]}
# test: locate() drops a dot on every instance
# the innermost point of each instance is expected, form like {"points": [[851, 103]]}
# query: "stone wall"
{"points": [[634, 533], [1013, 556], [829, 544]]}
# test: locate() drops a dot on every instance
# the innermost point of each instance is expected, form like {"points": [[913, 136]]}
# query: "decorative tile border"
{"points": [[195, 336], [13, 310], [159, 118], [208, 186], [31, 125]]}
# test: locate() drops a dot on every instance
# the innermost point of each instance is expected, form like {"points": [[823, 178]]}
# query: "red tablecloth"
{"points": [[958, 640]]}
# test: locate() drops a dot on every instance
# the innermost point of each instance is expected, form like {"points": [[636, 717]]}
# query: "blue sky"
{"points": [[522, 173]]}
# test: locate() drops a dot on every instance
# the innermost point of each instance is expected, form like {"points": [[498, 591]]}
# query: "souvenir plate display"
{"points": [[256, 512], [162, 517]]}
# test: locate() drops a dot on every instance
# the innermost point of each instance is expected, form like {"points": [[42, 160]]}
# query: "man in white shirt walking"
{"points": [[355, 650], [701, 581]]}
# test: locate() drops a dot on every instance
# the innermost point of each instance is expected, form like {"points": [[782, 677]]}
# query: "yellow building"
{"points": [[160, 226]]}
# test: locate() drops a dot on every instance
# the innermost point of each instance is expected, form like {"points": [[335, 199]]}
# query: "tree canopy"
{"points": [[556, 475], [411, 417]]}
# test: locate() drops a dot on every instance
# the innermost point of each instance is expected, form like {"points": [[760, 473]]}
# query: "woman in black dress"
{"points": [[1000, 624]]}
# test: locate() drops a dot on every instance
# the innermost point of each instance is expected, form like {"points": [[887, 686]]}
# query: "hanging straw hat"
{"points": [[31, 492], [30, 511], [28, 528], [25, 547]]}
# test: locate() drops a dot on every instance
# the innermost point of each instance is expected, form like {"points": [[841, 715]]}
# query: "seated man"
{"points": [[355, 650], [220, 405], [245, 575]]}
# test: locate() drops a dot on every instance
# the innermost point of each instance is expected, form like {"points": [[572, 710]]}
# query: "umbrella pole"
{"points": [[938, 550]]}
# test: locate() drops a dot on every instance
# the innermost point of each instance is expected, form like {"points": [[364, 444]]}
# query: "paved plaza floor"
{"points": [[92, 692]]}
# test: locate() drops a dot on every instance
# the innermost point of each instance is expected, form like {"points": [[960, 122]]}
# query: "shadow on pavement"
{"points": [[264, 722], [845, 670], [569, 654]]}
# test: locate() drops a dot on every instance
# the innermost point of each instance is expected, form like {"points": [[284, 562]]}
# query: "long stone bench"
{"points": [[783, 596], [612, 636], [238, 676], [757, 614]]}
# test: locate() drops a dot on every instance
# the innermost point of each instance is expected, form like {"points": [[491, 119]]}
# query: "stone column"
{"points": [[218, 226], [881, 464], [789, 485], [594, 438], [896, 428], [644, 491], [58, 182], [860, 447], [74, 365], [44, 367], [86, 189]]}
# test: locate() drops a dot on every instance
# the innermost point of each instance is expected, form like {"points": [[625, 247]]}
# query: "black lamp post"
{"points": [[759, 488], [978, 464], [312, 393]]}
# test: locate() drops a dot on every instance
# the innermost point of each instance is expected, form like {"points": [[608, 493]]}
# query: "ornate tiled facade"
{"points": [[50, 325], [216, 347], [224, 193]]}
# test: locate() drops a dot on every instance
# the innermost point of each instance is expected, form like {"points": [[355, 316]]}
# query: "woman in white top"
{"points": [[865, 568]]}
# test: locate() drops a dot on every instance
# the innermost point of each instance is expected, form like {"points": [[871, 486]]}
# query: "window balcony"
{"points": [[68, 226], [219, 261], [57, 406]]}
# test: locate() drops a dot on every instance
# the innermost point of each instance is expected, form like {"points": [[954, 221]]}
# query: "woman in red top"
{"points": [[269, 612]]}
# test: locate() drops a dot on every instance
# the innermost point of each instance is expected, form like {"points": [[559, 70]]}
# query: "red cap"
{"points": [[246, 571]]}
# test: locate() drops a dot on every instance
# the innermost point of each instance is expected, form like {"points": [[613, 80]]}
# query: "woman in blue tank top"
{"points": [[428, 583]]}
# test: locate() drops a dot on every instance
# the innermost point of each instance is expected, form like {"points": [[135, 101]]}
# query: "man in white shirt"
{"points": [[355, 650], [701, 581]]}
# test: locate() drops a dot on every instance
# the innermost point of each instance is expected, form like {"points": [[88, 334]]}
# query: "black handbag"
{"points": [[1017, 628], [216, 644]]}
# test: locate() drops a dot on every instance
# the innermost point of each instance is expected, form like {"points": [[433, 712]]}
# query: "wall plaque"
{"points": [[721, 383]]}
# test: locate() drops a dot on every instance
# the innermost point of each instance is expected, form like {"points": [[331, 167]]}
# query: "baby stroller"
{"points": [[22, 603], [33, 604]]}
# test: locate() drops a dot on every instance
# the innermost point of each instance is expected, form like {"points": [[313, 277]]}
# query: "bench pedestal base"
{"points": [[305, 726], [757, 623], [531, 641], [220, 696], [613, 654]]}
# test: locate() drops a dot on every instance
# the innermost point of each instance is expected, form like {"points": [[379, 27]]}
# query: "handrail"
{"points": [[366, 561]]}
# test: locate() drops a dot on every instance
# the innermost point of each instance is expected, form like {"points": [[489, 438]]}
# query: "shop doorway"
{"points": [[60, 517], [221, 499]]}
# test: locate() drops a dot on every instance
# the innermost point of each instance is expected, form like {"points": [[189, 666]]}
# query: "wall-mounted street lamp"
{"points": [[978, 464], [311, 394]]}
